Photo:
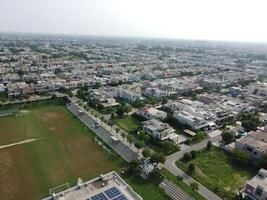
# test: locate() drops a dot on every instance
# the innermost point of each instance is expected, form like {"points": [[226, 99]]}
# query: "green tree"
{"points": [[241, 157], [250, 125], [112, 115], [187, 156], [193, 154], [123, 135], [209, 145], [133, 165], [169, 147], [263, 162], [194, 186], [191, 168], [158, 157], [146, 153], [140, 144], [20, 73], [130, 139], [97, 85], [227, 136]]}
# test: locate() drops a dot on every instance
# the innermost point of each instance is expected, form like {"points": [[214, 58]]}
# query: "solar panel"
{"points": [[112, 192], [121, 197], [99, 196]]}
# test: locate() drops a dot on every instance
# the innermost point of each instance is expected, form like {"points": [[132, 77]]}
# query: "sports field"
{"points": [[62, 150]]}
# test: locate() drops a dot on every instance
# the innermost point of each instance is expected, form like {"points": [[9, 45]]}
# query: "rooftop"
{"points": [[106, 187]]}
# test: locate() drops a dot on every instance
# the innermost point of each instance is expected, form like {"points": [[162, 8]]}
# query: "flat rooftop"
{"points": [[106, 187]]}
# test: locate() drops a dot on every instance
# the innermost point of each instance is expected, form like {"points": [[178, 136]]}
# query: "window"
{"points": [[258, 192], [249, 149]]}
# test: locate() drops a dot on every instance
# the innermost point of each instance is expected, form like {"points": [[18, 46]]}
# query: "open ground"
{"points": [[64, 150], [216, 170]]}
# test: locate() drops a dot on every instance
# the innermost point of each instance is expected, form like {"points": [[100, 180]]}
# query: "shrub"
{"points": [[191, 167], [193, 154], [187, 156], [194, 186], [209, 145], [241, 157], [146, 153]]}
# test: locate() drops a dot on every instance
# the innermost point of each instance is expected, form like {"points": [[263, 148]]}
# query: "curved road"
{"points": [[171, 166]]}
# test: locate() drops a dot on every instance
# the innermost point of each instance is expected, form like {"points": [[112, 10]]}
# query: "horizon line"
{"points": [[132, 37]]}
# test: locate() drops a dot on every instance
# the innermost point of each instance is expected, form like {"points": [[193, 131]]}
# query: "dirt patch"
{"points": [[52, 129], [47, 116]]}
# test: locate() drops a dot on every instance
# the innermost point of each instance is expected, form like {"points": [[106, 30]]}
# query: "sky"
{"points": [[229, 20]]}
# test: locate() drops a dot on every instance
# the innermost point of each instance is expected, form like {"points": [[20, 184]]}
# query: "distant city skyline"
{"points": [[239, 20]]}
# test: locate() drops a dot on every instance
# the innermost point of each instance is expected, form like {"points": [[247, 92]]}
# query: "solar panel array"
{"points": [[109, 194]]}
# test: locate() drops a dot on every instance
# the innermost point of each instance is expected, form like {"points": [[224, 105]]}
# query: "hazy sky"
{"points": [[241, 20]]}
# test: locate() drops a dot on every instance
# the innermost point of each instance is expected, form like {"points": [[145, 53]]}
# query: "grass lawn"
{"points": [[128, 123], [214, 169], [146, 189], [64, 150], [181, 184]]}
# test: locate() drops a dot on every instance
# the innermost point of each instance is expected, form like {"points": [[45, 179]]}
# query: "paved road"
{"points": [[171, 166], [118, 146]]}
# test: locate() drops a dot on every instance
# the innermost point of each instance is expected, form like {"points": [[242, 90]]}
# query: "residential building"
{"points": [[151, 113], [109, 186], [255, 143], [159, 130], [256, 188]]}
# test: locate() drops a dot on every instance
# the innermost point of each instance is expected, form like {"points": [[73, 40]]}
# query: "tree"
{"points": [[263, 162], [146, 138], [117, 129], [120, 111], [187, 156], [123, 135], [54, 96], [169, 147], [146, 153], [227, 136], [209, 145], [130, 139], [133, 165], [194, 186], [191, 167], [249, 125], [241, 157], [164, 100], [20, 72], [193, 154], [158, 157], [97, 85], [140, 144], [112, 115]]}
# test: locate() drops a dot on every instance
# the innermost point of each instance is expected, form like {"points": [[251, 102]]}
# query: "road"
{"points": [[171, 166], [124, 150]]}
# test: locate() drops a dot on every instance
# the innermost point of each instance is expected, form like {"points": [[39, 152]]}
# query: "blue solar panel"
{"points": [[112, 192], [99, 196], [121, 197]]}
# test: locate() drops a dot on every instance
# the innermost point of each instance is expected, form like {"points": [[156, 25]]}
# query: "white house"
{"points": [[159, 130], [151, 113], [191, 120]]}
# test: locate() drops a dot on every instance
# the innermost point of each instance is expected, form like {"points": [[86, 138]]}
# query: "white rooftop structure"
{"points": [[106, 187]]}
